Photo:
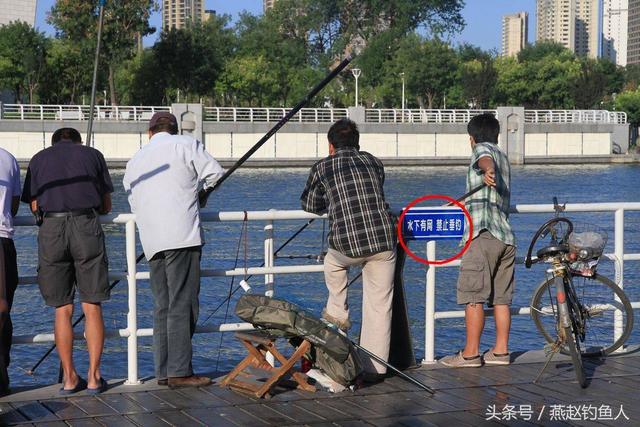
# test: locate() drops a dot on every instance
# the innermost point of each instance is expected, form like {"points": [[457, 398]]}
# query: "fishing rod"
{"points": [[204, 194], [394, 369], [95, 73]]}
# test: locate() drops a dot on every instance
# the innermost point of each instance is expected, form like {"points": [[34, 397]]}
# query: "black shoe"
{"points": [[373, 377], [163, 381]]}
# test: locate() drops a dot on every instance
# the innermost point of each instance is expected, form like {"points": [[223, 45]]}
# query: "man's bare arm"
{"points": [[106, 206], [488, 169]]}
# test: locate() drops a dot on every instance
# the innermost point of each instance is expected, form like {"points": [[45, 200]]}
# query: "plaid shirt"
{"points": [[348, 185], [489, 207]]}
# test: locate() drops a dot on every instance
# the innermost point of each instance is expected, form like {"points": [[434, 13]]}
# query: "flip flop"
{"points": [[81, 385], [101, 388]]}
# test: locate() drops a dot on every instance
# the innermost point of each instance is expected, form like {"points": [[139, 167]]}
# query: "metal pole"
{"points": [[430, 308], [619, 267], [403, 104], [356, 73], [132, 315], [95, 73]]}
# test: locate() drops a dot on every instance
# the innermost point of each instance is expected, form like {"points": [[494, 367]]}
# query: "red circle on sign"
{"points": [[432, 197]]}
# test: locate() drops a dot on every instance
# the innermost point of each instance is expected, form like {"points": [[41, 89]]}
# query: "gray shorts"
{"points": [[486, 272], [71, 253]]}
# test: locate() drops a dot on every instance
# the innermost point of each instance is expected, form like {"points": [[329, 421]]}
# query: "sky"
{"points": [[483, 18]]}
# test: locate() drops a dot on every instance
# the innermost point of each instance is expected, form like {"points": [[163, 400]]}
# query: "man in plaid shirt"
{"points": [[486, 270], [348, 185]]}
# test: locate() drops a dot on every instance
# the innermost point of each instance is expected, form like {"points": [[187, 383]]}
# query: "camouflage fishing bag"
{"points": [[331, 352]]}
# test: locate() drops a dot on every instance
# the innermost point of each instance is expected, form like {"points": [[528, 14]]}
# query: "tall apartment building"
{"points": [[615, 30], [179, 13], [18, 10], [267, 4], [515, 33], [572, 23], [633, 43]]}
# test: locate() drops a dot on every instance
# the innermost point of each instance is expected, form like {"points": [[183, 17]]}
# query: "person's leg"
{"points": [[183, 280], [377, 303], [64, 345], [5, 336], [502, 315], [336, 270], [504, 286], [159, 289], [94, 333], [474, 322]]}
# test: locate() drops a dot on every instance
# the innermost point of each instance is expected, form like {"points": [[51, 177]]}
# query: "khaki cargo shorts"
{"points": [[486, 272]]}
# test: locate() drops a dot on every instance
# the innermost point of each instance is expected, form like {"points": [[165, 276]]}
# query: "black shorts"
{"points": [[71, 253]]}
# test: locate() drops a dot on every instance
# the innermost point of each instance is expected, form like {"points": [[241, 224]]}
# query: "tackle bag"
{"points": [[331, 351]]}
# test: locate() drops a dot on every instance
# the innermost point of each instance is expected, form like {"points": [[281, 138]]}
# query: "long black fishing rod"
{"points": [[95, 73], [204, 194], [78, 320], [394, 369]]}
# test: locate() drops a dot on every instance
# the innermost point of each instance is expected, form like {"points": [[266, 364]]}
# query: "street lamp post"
{"points": [[403, 105], [356, 73]]}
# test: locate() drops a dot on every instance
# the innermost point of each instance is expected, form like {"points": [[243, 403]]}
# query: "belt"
{"points": [[76, 212]]}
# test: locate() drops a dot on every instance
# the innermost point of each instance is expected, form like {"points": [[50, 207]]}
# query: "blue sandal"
{"points": [[81, 385], [101, 388]]}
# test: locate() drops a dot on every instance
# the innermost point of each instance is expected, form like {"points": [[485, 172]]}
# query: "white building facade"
{"points": [[515, 33]]}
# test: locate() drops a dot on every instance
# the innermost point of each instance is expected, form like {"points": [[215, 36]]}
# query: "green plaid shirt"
{"points": [[489, 207]]}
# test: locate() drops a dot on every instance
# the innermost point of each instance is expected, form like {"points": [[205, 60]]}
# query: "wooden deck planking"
{"points": [[462, 397]]}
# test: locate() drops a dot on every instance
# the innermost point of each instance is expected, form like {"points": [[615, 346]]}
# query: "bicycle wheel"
{"points": [[576, 355], [597, 297]]}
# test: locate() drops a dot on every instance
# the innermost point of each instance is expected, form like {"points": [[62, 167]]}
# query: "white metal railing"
{"points": [[392, 115], [132, 332], [305, 115], [575, 116], [78, 112]]}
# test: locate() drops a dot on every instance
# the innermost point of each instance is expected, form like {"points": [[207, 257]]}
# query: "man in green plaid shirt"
{"points": [[487, 267]]}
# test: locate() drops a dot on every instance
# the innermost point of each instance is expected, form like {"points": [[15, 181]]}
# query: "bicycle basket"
{"points": [[586, 244]]}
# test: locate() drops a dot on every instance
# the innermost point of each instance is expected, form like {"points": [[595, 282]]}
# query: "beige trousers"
{"points": [[377, 299]]}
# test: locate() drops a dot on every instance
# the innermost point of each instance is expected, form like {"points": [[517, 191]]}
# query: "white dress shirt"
{"points": [[9, 188], [162, 181]]}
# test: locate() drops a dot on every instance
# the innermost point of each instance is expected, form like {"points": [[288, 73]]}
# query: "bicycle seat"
{"points": [[553, 250]]}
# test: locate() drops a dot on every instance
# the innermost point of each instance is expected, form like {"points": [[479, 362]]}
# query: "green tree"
{"points": [[630, 103], [124, 20], [477, 76], [67, 75], [23, 52], [192, 58]]}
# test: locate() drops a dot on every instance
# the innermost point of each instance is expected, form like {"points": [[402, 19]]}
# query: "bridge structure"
{"points": [[410, 136]]}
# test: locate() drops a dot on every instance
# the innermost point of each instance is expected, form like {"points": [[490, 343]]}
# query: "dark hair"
{"points": [[484, 128], [66, 134], [344, 133], [165, 124]]}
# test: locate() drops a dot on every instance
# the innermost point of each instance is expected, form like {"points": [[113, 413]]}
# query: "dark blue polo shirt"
{"points": [[67, 176]]}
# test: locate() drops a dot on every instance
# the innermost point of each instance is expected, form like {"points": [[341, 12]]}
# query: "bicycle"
{"points": [[580, 317]]}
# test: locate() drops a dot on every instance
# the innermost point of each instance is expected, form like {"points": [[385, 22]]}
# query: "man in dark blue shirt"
{"points": [[69, 185]]}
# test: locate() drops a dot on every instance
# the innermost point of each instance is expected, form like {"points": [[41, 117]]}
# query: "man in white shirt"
{"points": [[162, 181], [9, 201]]}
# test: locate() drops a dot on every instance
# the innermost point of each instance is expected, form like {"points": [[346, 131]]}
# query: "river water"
{"points": [[263, 189]]}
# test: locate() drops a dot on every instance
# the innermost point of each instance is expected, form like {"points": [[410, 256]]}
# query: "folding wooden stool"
{"points": [[258, 344]]}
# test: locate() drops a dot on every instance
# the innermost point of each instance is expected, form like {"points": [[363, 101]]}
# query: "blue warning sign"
{"points": [[433, 223]]}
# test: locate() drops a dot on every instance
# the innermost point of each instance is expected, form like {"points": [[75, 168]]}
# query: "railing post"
{"points": [[430, 308], [268, 258], [132, 315], [619, 267]]}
